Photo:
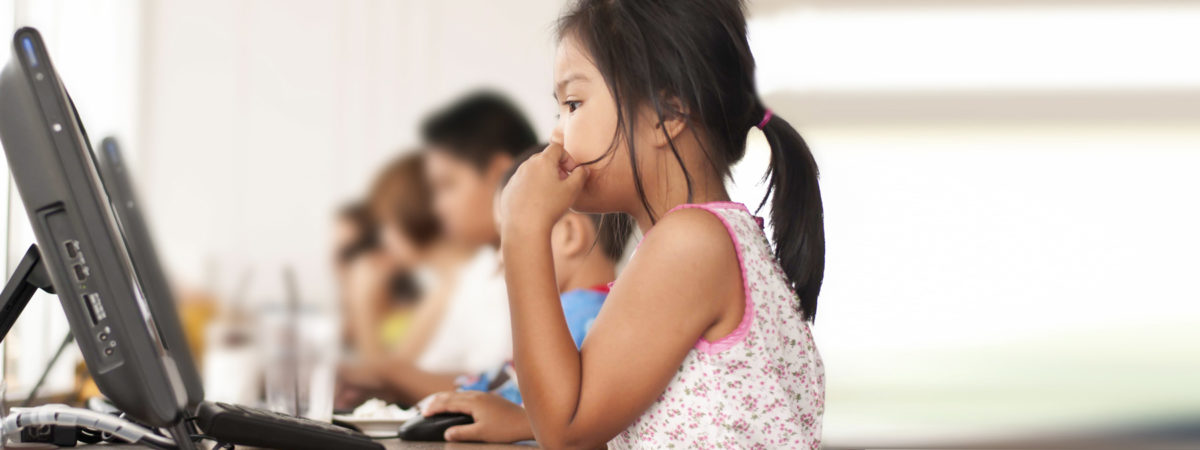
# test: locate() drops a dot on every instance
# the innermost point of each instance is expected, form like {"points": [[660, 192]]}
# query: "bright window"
{"points": [[1009, 196]]}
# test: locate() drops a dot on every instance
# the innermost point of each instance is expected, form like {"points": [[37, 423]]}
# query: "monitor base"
{"points": [[30, 276], [25, 281]]}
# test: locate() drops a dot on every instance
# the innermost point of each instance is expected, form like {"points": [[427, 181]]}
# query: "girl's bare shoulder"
{"points": [[690, 243]]}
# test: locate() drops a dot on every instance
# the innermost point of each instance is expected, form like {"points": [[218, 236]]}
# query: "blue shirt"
{"points": [[580, 308]]}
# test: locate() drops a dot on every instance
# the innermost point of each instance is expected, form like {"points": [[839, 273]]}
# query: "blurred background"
{"points": [[1009, 184]]}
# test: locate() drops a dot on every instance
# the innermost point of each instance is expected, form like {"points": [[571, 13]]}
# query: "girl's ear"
{"points": [[576, 237], [559, 236], [671, 123]]}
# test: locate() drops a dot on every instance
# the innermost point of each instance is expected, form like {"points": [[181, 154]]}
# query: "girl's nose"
{"points": [[556, 136]]}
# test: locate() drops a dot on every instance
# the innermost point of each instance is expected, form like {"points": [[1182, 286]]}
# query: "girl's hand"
{"points": [[496, 419], [541, 191]]}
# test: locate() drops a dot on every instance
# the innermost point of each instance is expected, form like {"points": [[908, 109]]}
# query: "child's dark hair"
{"points": [[478, 127], [691, 59], [612, 229]]}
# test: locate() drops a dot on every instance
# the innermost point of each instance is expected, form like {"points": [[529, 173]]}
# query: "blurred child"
{"points": [[704, 340], [382, 243], [471, 144], [397, 272], [408, 231], [354, 233], [586, 249], [361, 271]]}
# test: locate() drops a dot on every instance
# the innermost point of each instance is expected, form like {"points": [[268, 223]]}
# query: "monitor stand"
{"points": [[24, 282], [30, 276]]}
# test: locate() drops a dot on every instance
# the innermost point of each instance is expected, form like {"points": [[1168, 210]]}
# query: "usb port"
{"points": [[81, 272], [72, 247], [95, 309]]}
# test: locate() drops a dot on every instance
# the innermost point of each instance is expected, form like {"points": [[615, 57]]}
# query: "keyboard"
{"points": [[240, 425]]}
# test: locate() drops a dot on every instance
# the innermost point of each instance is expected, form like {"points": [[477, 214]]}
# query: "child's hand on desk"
{"points": [[496, 419]]}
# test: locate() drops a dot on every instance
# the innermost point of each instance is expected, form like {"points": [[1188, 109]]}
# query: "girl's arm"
{"points": [[674, 290]]}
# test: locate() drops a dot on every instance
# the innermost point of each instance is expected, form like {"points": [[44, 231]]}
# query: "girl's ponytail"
{"points": [[796, 211]]}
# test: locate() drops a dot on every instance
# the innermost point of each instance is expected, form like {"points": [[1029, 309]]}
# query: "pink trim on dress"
{"points": [[717, 204], [734, 205], [738, 334]]}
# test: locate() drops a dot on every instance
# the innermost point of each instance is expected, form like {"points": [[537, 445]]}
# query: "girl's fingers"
{"points": [[567, 163], [553, 152], [470, 432], [432, 405], [436, 404], [576, 178], [447, 403], [552, 156]]}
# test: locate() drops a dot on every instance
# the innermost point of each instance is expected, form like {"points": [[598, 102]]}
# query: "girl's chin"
{"points": [[585, 204]]}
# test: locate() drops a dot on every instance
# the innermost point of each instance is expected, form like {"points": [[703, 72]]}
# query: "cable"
{"points": [[49, 365], [219, 443], [79, 417]]}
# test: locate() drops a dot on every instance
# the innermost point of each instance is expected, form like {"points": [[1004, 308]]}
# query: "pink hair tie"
{"points": [[766, 118]]}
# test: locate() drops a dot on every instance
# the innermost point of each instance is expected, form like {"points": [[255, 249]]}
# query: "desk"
{"points": [[390, 444], [398, 444]]}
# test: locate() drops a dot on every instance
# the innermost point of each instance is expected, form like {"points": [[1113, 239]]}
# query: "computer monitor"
{"points": [[80, 242], [117, 182]]}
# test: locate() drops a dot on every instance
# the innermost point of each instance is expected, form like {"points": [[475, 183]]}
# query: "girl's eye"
{"points": [[572, 105]]}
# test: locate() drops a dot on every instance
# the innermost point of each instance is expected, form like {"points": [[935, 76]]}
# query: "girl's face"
{"points": [[587, 125]]}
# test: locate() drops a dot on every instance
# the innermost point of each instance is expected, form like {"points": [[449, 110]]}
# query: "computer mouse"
{"points": [[432, 428]]}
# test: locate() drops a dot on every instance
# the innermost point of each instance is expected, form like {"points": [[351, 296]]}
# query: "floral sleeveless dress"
{"points": [[762, 386]]}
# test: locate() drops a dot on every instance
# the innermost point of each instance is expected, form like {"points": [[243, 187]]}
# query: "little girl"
{"points": [[704, 339]]}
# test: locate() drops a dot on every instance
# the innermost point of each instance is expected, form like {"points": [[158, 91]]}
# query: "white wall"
{"points": [[1009, 193], [260, 117]]}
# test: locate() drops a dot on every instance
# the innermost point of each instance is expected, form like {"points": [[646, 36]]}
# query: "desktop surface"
{"points": [[387, 443]]}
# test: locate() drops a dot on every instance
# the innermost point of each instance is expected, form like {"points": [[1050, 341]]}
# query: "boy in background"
{"points": [[469, 146]]}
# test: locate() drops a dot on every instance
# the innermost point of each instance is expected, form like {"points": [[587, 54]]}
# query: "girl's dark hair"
{"points": [[691, 59]]}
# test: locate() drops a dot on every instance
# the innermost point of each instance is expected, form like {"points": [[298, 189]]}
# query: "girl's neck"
{"points": [[669, 188], [704, 189]]}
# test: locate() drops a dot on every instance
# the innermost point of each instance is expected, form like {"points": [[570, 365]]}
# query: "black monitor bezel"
{"points": [[118, 184], [59, 184]]}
